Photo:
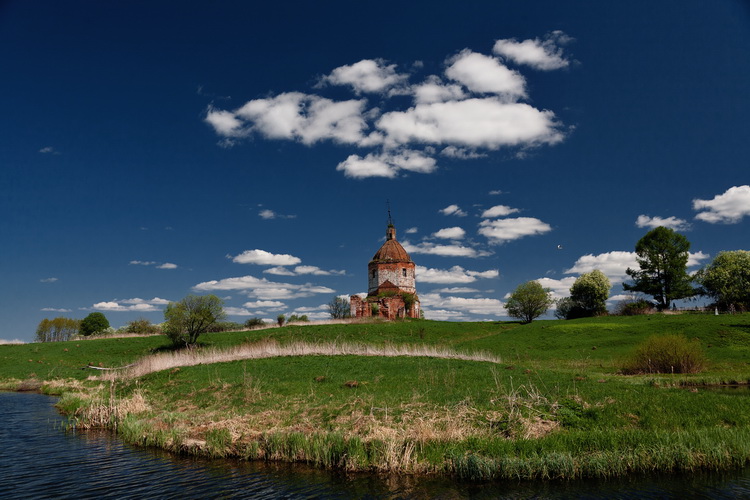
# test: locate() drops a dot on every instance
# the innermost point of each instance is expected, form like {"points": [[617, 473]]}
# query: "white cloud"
{"points": [[456, 289], [293, 116], [435, 90], [539, 54], [8, 342], [49, 150], [52, 309], [167, 265], [560, 288], [444, 315], [461, 153], [136, 304], [429, 248], [495, 192], [612, 264], [238, 311], [670, 222], [479, 122], [411, 230], [262, 288], [48, 280], [695, 258], [455, 274], [263, 258], [451, 233], [727, 208], [483, 306], [368, 75], [498, 211], [315, 270], [386, 164], [279, 271], [453, 210], [264, 304], [485, 74], [502, 230]]}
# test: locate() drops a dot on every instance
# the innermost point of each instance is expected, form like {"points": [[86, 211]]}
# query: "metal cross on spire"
{"points": [[390, 219]]}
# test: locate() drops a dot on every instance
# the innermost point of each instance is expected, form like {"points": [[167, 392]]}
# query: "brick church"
{"points": [[391, 291]]}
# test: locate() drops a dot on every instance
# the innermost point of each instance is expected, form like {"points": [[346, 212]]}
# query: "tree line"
{"points": [[662, 257]]}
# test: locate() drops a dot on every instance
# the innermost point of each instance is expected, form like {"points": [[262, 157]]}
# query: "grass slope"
{"points": [[555, 407]]}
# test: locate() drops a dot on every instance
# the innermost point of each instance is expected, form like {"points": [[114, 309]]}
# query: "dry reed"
{"points": [[272, 349]]}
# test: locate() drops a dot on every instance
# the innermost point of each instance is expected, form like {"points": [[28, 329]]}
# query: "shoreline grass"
{"points": [[545, 400]]}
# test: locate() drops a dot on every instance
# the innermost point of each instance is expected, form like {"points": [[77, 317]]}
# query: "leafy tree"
{"points": [[339, 308], [193, 315], [94, 323], [254, 322], [280, 319], [662, 255], [589, 294], [57, 330], [297, 319], [564, 308], [528, 301], [727, 280]]}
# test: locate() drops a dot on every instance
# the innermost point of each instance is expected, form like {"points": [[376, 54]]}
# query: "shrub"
{"points": [[225, 326], [193, 315], [297, 319], [633, 307], [142, 325], [666, 354], [254, 323], [280, 319]]}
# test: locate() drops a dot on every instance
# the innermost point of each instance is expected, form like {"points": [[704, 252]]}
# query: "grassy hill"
{"points": [[554, 405]]}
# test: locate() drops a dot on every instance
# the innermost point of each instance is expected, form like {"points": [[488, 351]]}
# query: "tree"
{"points": [[339, 308], [662, 255], [193, 315], [142, 326], [94, 323], [528, 301], [727, 280], [57, 330], [280, 319], [589, 294]]}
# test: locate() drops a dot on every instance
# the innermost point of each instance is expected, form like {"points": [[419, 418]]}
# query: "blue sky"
{"points": [[155, 149]]}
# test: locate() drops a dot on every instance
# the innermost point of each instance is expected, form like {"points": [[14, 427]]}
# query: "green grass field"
{"points": [[555, 406]]}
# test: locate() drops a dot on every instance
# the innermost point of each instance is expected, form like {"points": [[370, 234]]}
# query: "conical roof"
{"points": [[391, 251]]}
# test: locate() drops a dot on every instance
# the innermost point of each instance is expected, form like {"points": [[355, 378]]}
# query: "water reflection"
{"points": [[39, 460]]}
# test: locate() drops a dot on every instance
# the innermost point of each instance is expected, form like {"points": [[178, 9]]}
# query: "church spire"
{"points": [[390, 232]]}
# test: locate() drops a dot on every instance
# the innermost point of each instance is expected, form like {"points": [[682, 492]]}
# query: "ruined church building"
{"points": [[391, 291]]}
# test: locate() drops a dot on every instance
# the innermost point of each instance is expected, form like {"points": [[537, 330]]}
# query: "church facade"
{"points": [[391, 290]]}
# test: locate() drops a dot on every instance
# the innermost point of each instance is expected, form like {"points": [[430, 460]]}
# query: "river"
{"points": [[39, 459]]}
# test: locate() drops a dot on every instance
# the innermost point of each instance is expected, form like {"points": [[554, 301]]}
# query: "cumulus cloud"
{"points": [[485, 74], [453, 210], [293, 116], [386, 164], [263, 258], [456, 289], [53, 309], [476, 123], [498, 211], [453, 250], [157, 265], [49, 150], [481, 306], [48, 280], [411, 230], [539, 54], [727, 208], [670, 222], [136, 304], [279, 271], [450, 233], [472, 108], [264, 304], [612, 264], [167, 265], [455, 274], [503, 230], [444, 315], [559, 288], [300, 270], [263, 288], [366, 76]]}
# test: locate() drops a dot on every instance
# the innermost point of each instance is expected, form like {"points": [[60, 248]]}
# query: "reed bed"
{"points": [[269, 348]]}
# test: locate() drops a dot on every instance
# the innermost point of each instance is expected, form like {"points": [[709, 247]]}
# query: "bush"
{"points": [[633, 307], [188, 318], [297, 319], [254, 323], [142, 325], [225, 326], [666, 354]]}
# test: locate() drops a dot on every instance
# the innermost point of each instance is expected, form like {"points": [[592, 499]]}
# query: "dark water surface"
{"points": [[38, 459]]}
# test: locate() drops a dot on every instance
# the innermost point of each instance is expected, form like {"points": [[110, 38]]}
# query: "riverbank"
{"points": [[550, 404]]}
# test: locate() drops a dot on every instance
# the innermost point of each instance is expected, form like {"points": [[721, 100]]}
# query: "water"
{"points": [[38, 459]]}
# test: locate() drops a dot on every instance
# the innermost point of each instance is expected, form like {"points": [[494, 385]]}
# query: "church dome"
{"points": [[391, 251]]}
